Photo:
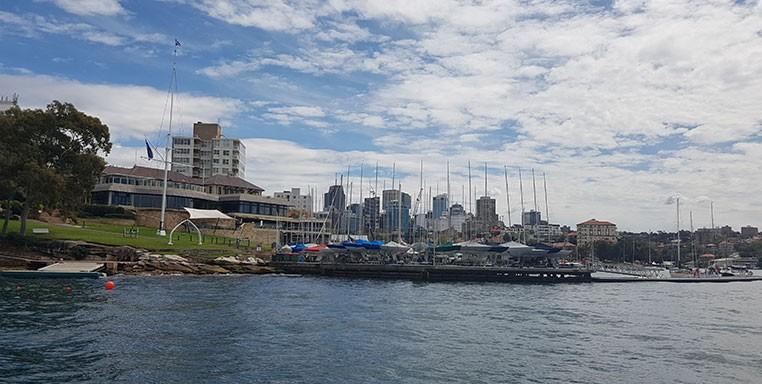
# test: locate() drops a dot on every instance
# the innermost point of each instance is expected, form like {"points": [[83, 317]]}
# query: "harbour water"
{"points": [[281, 329]]}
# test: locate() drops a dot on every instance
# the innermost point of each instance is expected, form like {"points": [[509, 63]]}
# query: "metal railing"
{"points": [[631, 269]]}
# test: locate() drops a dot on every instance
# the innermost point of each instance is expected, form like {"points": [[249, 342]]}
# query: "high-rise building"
{"points": [[296, 200], [371, 212], [394, 220], [453, 219], [485, 211], [334, 203], [351, 219], [391, 195], [531, 218], [334, 199], [439, 205], [457, 215], [208, 153]]}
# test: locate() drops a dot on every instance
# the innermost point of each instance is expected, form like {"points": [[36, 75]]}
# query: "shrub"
{"points": [[107, 211]]}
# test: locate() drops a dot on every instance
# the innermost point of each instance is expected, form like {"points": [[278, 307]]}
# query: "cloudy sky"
{"points": [[621, 104]]}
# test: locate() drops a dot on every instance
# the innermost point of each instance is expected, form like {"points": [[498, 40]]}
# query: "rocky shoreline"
{"points": [[130, 261], [161, 264]]}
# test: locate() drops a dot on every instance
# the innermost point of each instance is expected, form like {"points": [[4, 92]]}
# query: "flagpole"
{"points": [[162, 230]]}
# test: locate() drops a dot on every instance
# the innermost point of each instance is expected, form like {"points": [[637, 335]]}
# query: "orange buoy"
{"points": [[67, 289], [109, 285]]}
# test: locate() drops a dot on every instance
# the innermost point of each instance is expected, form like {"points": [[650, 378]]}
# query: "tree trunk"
{"points": [[7, 217], [24, 215]]}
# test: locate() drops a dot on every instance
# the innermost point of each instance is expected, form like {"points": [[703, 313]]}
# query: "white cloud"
{"points": [[567, 76], [299, 110], [279, 15], [579, 187], [130, 111], [621, 106], [91, 7], [30, 25]]}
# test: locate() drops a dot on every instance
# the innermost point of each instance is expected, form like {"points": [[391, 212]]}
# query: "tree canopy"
{"points": [[51, 158]]}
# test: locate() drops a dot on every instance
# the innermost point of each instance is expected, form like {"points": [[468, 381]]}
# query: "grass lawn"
{"points": [[110, 234]]}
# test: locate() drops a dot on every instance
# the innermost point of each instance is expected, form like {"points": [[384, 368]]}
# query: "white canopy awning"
{"points": [[206, 214]]}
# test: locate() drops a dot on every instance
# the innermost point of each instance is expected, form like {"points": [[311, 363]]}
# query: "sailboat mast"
{"points": [[521, 195], [485, 179], [361, 201], [469, 188], [649, 246], [172, 87], [449, 219], [534, 191], [418, 202], [678, 231], [350, 213], [693, 242], [431, 208], [394, 170], [399, 213], [507, 196], [547, 210]]}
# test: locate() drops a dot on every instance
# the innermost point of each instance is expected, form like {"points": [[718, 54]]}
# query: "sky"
{"points": [[622, 105]]}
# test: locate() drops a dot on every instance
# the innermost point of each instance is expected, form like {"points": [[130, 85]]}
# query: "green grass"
{"points": [[110, 234]]}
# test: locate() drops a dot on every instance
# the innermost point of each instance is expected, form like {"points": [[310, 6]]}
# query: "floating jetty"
{"points": [[62, 270], [719, 279], [427, 272]]}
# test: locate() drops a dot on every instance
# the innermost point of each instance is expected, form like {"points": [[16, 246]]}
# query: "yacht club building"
{"points": [[140, 189]]}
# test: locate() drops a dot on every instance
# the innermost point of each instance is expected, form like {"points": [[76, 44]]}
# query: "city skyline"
{"points": [[622, 105]]}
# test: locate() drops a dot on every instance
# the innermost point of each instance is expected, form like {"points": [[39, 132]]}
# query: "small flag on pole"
{"points": [[177, 43], [148, 149]]}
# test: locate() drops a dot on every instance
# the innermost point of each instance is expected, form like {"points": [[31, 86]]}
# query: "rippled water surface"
{"points": [[276, 329]]}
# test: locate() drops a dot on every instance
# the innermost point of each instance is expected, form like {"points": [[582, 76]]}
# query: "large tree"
{"points": [[51, 157]]}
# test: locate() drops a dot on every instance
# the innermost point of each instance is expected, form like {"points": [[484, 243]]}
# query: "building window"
{"points": [[225, 153]]}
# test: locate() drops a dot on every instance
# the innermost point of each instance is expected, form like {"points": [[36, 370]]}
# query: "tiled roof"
{"points": [[158, 174], [148, 173], [231, 181], [596, 222]]}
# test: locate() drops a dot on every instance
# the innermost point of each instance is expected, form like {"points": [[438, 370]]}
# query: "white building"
{"points": [[296, 199], [208, 153], [596, 230], [545, 231], [7, 103]]}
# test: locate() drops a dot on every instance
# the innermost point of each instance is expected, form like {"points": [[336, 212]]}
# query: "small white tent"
{"points": [[199, 214]]}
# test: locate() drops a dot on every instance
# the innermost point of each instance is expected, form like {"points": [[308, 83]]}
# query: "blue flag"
{"points": [[148, 149]]}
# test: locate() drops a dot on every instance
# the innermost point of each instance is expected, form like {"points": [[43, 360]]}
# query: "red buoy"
{"points": [[109, 285]]}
